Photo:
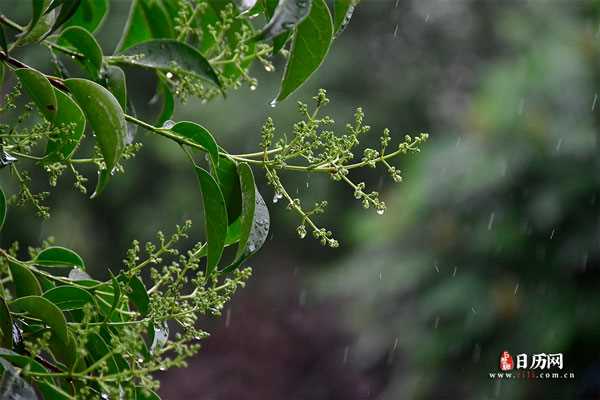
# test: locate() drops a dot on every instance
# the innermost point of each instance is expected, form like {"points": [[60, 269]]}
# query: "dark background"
{"points": [[492, 243]]}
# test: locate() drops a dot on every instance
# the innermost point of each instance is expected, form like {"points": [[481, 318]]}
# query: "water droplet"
{"points": [[162, 369], [269, 68], [140, 360], [380, 211], [252, 87], [273, 103], [277, 197], [169, 75]]}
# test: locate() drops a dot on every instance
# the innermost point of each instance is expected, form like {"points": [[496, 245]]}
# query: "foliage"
{"points": [[70, 335]]}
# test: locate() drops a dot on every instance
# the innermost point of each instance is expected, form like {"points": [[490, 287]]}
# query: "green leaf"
{"points": [[309, 48], [248, 188], [42, 309], [286, 16], [342, 11], [68, 297], [40, 90], [90, 15], [199, 135], [106, 117], [115, 83], [12, 386], [67, 10], [215, 218], [260, 225], [56, 256], [160, 54], [38, 8], [68, 114], [36, 32], [3, 40], [168, 105], [25, 281], [115, 298], [229, 182], [2, 208], [145, 394], [139, 295], [21, 361], [148, 19], [6, 325], [84, 42], [98, 349], [280, 40]]}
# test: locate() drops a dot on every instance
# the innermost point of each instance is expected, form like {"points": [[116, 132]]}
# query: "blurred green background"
{"points": [[491, 244]]}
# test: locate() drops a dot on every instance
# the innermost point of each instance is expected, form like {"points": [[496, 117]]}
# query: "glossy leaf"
{"points": [[229, 182], [148, 19], [40, 90], [260, 225], [286, 16], [84, 42], [98, 349], [342, 13], [67, 10], [215, 218], [68, 114], [77, 274], [280, 40], [160, 336], [42, 309], [106, 117], [145, 394], [68, 297], [2, 208], [89, 15], [6, 325], [199, 135], [21, 361], [12, 386], [168, 105], [3, 43], [139, 295], [115, 83], [6, 158], [160, 54], [26, 283], [38, 8], [310, 46], [248, 188], [56, 256]]}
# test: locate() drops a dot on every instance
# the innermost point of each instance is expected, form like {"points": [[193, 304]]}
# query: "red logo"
{"points": [[506, 361]]}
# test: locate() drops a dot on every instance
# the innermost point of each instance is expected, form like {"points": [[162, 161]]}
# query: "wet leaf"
{"points": [[139, 295], [40, 90], [83, 42], [21, 361], [147, 20], [67, 10], [56, 256], [2, 208], [77, 274], [229, 182], [98, 349], [68, 114], [286, 16], [342, 12], [199, 135], [310, 46], [68, 297], [260, 225], [280, 40], [90, 14], [42, 309], [215, 218], [26, 283], [5, 158], [115, 83], [106, 117], [160, 54], [160, 337], [3, 43], [12, 386], [145, 394], [168, 105], [6, 325], [39, 31], [248, 188]]}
